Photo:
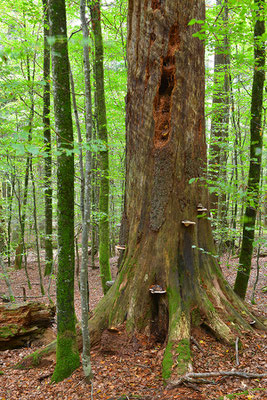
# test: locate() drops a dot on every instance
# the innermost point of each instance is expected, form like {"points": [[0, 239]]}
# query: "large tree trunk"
{"points": [[165, 149]]}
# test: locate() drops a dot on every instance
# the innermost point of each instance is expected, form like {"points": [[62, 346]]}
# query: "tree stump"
{"points": [[20, 324]]}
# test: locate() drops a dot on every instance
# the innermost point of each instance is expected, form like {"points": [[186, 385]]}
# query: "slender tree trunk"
{"points": [[78, 127], [67, 352], [36, 231], [2, 225], [6, 278], [256, 143], [220, 119], [103, 154], [86, 360], [22, 220], [94, 199], [48, 148], [10, 196], [30, 80]]}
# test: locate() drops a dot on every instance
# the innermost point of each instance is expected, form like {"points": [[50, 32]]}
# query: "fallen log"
{"points": [[21, 324]]}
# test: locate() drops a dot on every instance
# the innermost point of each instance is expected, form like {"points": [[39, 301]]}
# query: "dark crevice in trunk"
{"points": [[163, 99]]}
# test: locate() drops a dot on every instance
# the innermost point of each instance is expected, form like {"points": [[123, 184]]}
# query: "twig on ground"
{"points": [[92, 390], [143, 366], [31, 297], [196, 343], [236, 351]]}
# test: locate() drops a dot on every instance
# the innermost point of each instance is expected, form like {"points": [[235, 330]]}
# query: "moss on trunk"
{"points": [[66, 335]]}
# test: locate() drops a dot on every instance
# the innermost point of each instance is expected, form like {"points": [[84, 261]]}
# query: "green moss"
{"points": [[183, 356], [8, 330], [182, 359], [1, 372], [35, 358], [68, 359], [167, 362], [174, 303]]}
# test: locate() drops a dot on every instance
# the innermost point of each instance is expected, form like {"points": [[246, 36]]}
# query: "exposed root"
{"points": [[196, 378]]}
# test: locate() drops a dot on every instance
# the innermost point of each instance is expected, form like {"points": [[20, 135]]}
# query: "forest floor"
{"points": [[131, 369]]}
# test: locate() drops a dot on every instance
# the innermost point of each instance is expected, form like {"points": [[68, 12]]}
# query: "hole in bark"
{"points": [[160, 318], [207, 329], [162, 105], [162, 102], [167, 77]]}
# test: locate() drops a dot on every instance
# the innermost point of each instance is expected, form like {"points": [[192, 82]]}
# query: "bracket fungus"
{"points": [[187, 223], [201, 209], [120, 247], [109, 283], [156, 289]]}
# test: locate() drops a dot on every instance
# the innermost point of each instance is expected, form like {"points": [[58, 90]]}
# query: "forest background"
{"points": [[22, 135], [24, 149]]}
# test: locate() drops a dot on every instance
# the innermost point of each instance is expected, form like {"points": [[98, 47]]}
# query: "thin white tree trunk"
{"points": [[86, 361]]}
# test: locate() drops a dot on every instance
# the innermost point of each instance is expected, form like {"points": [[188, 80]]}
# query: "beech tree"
{"points": [[103, 154], [256, 144], [169, 280], [67, 352]]}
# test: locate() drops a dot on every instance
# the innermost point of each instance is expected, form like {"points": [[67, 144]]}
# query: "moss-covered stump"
{"points": [[20, 324]]}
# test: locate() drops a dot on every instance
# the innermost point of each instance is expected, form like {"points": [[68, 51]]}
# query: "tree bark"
{"points": [[67, 352], [256, 143]]}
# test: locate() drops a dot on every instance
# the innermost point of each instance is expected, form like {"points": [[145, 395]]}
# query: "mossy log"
{"points": [[20, 324]]}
